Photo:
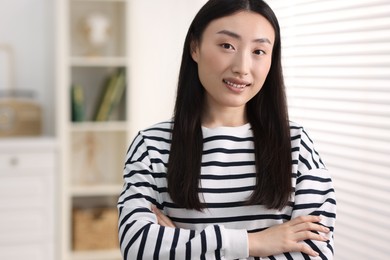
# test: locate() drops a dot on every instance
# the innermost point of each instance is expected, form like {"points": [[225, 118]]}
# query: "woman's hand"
{"points": [[161, 218], [286, 237]]}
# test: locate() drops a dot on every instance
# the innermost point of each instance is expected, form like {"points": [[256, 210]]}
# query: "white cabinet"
{"points": [[27, 198]]}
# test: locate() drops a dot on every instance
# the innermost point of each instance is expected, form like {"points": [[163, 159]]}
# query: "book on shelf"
{"points": [[77, 103], [111, 95]]}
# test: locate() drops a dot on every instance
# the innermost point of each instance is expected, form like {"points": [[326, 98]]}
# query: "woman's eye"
{"points": [[259, 52], [227, 46]]}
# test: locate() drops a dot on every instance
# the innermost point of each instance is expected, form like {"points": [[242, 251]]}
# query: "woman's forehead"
{"points": [[245, 24]]}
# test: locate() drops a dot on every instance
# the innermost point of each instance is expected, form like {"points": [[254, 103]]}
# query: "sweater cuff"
{"points": [[235, 243]]}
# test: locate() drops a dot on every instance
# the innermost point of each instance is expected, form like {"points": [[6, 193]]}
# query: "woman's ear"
{"points": [[194, 51]]}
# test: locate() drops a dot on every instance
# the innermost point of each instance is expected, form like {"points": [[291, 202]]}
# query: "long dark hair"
{"points": [[266, 112]]}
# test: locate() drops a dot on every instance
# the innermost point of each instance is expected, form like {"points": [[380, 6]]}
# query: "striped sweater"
{"points": [[227, 179]]}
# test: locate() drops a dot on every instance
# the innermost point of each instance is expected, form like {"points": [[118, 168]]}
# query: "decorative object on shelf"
{"points": [[97, 30], [88, 159], [20, 114]]}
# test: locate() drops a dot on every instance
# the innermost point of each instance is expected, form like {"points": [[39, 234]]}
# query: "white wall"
{"points": [[337, 68], [27, 25], [158, 29]]}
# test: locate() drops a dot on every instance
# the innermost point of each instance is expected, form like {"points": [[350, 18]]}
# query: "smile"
{"points": [[234, 85]]}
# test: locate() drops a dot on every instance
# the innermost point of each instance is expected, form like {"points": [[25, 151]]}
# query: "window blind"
{"points": [[336, 60]]}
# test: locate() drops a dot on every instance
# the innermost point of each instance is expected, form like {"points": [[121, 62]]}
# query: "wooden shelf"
{"points": [[97, 255], [98, 0], [84, 61], [109, 126], [96, 190]]}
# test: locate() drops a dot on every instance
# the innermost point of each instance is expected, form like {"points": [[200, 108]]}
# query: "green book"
{"points": [[120, 85], [77, 103], [103, 105]]}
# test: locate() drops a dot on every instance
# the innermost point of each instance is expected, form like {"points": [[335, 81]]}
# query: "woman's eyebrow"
{"points": [[238, 37]]}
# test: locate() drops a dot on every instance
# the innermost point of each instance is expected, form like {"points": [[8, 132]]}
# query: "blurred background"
{"points": [[79, 78]]}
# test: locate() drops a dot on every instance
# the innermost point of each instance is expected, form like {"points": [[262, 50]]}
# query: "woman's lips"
{"points": [[236, 84]]}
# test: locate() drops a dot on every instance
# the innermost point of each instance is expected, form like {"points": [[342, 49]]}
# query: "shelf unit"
{"points": [[145, 33], [92, 152]]}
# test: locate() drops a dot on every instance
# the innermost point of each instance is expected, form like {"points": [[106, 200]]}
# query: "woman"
{"points": [[229, 177]]}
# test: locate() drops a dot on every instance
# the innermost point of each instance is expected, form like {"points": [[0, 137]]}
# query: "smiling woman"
{"points": [[229, 176]]}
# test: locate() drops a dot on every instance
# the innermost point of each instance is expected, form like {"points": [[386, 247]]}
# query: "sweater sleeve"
{"points": [[141, 237], [314, 194]]}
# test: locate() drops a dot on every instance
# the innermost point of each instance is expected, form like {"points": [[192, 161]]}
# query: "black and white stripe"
{"points": [[227, 180]]}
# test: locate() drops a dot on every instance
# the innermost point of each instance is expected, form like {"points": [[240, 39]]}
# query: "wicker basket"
{"points": [[95, 229], [20, 117]]}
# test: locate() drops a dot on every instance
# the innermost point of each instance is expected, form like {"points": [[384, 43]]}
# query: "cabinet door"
{"points": [[36, 251], [26, 205]]}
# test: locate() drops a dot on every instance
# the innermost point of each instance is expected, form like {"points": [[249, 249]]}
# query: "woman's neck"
{"points": [[224, 117]]}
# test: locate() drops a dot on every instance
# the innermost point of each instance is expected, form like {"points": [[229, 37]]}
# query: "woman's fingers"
{"points": [[288, 237], [307, 227], [304, 235], [161, 218], [306, 249], [304, 219], [310, 226]]}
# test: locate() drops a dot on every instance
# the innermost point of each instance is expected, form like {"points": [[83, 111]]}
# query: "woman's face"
{"points": [[234, 57]]}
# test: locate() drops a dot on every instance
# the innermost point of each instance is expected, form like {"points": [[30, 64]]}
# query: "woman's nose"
{"points": [[241, 63]]}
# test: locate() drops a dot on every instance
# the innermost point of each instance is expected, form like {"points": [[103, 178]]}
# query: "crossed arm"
{"points": [[278, 239]]}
